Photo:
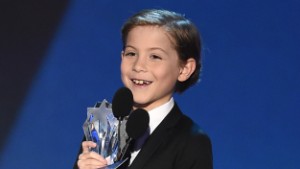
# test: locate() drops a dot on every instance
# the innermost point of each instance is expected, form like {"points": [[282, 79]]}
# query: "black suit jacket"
{"points": [[177, 143]]}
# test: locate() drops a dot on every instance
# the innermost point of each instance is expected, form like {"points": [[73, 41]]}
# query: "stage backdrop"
{"points": [[59, 57]]}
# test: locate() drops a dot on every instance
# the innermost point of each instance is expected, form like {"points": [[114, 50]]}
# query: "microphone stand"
{"points": [[119, 138]]}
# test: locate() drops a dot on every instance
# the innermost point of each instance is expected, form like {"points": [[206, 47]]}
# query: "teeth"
{"points": [[140, 82]]}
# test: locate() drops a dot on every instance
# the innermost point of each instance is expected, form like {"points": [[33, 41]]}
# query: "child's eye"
{"points": [[155, 57], [130, 54]]}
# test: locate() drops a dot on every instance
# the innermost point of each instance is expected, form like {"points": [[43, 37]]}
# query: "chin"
{"points": [[142, 105]]}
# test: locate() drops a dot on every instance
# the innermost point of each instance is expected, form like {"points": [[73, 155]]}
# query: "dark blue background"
{"points": [[59, 57]]}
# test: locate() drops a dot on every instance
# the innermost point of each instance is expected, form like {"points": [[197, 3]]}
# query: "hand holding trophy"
{"points": [[102, 126]]}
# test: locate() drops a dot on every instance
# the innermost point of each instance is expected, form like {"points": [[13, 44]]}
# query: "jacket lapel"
{"points": [[159, 136]]}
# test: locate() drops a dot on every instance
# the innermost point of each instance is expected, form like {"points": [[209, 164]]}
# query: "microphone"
{"points": [[122, 103], [121, 106], [136, 126]]}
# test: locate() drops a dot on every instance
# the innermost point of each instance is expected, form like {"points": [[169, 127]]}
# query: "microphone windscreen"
{"points": [[137, 123], [122, 103]]}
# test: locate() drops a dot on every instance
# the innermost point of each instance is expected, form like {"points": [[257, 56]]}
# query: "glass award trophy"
{"points": [[101, 127]]}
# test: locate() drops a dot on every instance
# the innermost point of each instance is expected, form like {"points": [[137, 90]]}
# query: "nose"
{"points": [[139, 64]]}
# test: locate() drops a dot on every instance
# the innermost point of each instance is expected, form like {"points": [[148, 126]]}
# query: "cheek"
{"points": [[170, 71], [124, 71], [126, 66], [123, 67]]}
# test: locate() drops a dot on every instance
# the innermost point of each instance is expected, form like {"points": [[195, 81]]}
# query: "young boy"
{"points": [[161, 55]]}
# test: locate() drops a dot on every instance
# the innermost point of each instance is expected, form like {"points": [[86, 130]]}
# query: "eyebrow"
{"points": [[157, 48], [154, 48], [129, 46]]}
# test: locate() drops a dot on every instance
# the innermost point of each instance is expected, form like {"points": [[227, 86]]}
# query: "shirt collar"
{"points": [[157, 114]]}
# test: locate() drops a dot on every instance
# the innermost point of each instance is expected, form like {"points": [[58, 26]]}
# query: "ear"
{"points": [[187, 70]]}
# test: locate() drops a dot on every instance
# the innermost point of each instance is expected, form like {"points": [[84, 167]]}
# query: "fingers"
{"points": [[91, 160], [86, 145], [92, 155]]}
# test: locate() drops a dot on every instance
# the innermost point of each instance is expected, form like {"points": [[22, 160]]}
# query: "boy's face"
{"points": [[150, 66]]}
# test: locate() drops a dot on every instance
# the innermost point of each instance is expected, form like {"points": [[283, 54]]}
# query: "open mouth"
{"points": [[141, 82]]}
